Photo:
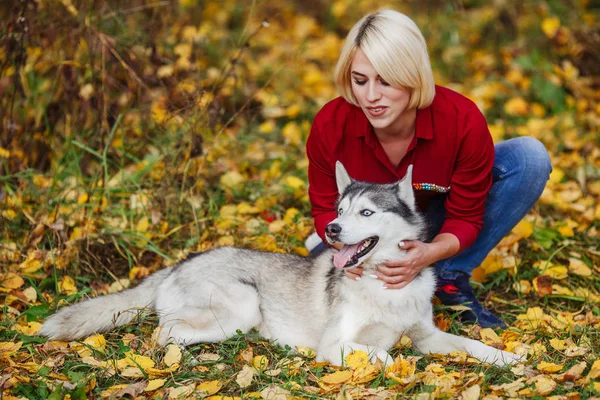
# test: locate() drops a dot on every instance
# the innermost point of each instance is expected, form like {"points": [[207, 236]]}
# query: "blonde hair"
{"points": [[395, 46]]}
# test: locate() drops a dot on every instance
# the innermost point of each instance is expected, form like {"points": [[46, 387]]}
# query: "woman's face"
{"points": [[383, 104]]}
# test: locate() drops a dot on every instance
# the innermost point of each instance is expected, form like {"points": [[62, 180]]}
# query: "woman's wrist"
{"points": [[444, 245]]}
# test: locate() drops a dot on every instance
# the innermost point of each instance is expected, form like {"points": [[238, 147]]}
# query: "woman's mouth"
{"points": [[376, 111]]}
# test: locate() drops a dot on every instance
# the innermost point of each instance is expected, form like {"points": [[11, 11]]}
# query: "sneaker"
{"points": [[458, 291]]}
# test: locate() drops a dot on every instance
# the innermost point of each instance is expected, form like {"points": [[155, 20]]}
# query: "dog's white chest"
{"points": [[397, 308]]}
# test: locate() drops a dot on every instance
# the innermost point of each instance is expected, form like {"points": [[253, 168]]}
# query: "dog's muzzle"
{"points": [[332, 231]]}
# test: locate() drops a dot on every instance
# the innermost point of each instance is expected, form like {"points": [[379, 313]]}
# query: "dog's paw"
{"points": [[505, 358]]}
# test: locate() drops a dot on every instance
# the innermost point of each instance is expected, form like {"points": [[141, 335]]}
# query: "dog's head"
{"points": [[372, 219]]}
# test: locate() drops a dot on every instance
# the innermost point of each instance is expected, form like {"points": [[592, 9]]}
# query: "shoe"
{"points": [[458, 291]]}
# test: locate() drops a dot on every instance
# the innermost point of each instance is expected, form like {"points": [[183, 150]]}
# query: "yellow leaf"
{"points": [[231, 179], [12, 281], [404, 342], [4, 153], [357, 359], [294, 182], [545, 385], [30, 329], [401, 368], [557, 175], [523, 229], [290, 215], [138, 273], [142, 225], [67, 285], [593, 374], [83, 198], [306, 352], [31, 265], [549, 367], [9, 214], [578, 267], [119, 285], [112, 390], [558, 344], [471, 393], [154, 384], [516, 106], [292, 133], [96, 342], [8, 348], [435, 368], [267, 127], [245, 209], [260, 362], [557, 272], [135, 360], [522, 286], [277, 226], [209, 388], [488, 336], [336, 378], [550, 26], [534, 316], [566, 231], [173, 355]]}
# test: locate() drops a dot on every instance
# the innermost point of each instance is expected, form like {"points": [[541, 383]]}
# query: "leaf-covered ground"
{"points": [[136, 132]]}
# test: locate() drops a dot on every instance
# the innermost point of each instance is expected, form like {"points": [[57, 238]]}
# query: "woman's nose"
{"points": [[373, 93]]}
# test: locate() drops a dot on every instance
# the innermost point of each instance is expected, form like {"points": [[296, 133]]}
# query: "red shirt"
{"points": [[452, 147]]}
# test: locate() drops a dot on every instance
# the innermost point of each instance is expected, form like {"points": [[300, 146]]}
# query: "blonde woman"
{"points": [[391, 115]]}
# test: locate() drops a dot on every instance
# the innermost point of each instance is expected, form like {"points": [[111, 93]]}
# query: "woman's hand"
{"points": [[354, 273], [399, 273]]}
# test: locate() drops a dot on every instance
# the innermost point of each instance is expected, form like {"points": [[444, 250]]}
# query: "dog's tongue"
{"points": [[341, 257]]}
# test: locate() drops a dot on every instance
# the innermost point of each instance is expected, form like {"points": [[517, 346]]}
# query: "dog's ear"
{"points": [[405, 188], [341, 177]]}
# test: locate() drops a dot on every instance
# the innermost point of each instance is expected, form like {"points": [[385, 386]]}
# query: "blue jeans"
{"points": [[521, 170]]}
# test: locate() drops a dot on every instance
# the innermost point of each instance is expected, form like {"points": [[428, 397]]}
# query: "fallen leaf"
{"points": [[154, 384], [181, 392], [11, 280], [244, 377], [336, 378], [260, 362], [545, 385], [471, 393], [173, 355], [549, 367], [209, 388]]}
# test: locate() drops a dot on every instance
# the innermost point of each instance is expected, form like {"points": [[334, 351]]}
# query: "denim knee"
{"points": [[537, 159], [524, 157]]}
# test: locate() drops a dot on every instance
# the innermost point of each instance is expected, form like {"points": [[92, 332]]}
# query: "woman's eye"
{"points": [[366, 213], [384, 83], [359, 83]]}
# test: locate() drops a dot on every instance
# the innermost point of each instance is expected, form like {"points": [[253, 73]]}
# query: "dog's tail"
{"points": [[103, 313]]}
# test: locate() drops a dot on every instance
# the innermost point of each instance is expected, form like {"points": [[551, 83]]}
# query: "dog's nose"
{"points": [[333, 230]]}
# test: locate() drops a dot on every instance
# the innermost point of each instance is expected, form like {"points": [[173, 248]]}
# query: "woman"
{"points": [[391, 115]]}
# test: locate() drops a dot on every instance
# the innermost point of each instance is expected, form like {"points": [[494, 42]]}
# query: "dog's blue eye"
{"points": [[366, 213]]}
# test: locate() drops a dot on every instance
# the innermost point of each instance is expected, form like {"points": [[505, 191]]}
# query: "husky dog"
{"points": [[296, 301]]}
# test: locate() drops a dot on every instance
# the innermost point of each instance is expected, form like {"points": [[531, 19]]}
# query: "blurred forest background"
{"points": [[135, 132]]}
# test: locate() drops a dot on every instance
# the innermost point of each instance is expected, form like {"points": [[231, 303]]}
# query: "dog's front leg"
{"points": [[427, 338]]}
